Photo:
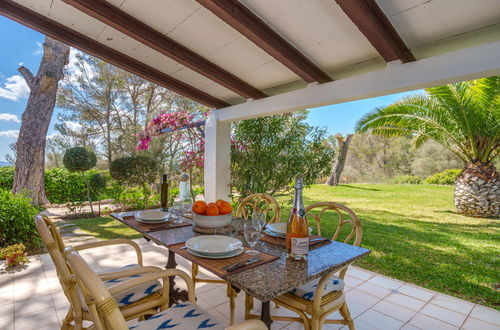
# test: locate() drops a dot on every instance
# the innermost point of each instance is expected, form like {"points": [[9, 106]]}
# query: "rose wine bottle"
{"points": [[164, 193], [297, 234]]}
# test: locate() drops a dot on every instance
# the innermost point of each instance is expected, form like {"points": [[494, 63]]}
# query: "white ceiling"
{"points": [[318, 28]]}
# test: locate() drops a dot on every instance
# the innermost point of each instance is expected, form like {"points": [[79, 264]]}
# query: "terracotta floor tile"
{"points": [[379, 321], [406, 301], [395, 311], [374, 290], [417, 292], [360, 273], [362, 297], [386, 282]]}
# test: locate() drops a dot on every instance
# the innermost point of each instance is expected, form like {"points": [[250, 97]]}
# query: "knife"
{"points": [[242, 263]]}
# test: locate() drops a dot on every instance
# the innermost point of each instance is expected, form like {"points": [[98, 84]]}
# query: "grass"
{"points": [[413, 232]]}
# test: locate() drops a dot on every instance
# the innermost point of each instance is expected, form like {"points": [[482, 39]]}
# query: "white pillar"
{"points": [[217, 158]]}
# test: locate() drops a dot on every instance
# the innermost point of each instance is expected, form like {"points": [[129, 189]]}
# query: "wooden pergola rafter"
{"points": [[75, 39], [136, 29]]}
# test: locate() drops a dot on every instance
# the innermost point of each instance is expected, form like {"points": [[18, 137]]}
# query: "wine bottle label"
{"points": [[300, 245]]}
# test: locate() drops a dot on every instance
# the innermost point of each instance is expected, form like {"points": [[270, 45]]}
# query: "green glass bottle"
{"points": [[164, 193]]}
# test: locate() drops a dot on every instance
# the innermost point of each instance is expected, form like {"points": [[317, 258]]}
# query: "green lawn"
{"points": [[413, 233]]}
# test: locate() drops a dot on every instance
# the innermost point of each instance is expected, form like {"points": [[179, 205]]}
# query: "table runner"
{"points": [[215, 265], [147, 228]]}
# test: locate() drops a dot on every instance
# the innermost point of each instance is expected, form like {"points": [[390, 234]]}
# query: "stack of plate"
{"points": [[277, 229], [214, 246], [152, 216]]}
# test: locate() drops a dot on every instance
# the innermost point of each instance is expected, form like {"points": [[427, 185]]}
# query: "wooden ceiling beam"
{"points": [[256, 30], [60, 32], [377, 28], [136, 29]]}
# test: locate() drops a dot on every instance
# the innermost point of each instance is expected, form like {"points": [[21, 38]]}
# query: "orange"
{"points": [[199, 207], [225, 207], [219, 201], [212, 209]]}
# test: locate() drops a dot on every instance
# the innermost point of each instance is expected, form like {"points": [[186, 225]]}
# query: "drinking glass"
{"points": [[177, 210], [252, 235], [260, 218]]}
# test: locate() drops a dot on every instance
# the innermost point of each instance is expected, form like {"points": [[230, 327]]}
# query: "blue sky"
{"points": [[23, 45]]}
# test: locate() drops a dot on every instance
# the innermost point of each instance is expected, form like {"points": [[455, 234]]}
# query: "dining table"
{"points": [[266, 281]]}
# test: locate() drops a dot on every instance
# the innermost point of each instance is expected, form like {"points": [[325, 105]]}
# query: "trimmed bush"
{"points": [[6, 177], [447, 177], [79, 159], [16, 220], [407, 179]]}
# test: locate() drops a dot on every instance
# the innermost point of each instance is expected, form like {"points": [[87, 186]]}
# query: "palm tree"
{"points": [[465, 119]]}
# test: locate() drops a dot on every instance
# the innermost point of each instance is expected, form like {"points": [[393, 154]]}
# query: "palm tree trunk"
{"points": [[477, 191]]}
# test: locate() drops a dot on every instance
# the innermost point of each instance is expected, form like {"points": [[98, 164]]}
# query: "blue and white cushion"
{"points": [[306, 291], [184, 316], [134, 294]]}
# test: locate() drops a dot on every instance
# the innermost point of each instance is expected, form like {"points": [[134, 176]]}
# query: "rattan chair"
{"points": [[137, 302], [259, 202], [107, 316], [262, 203], [315, 300]]}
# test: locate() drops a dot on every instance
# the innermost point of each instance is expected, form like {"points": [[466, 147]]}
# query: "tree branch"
{"points": [[28, 76]]}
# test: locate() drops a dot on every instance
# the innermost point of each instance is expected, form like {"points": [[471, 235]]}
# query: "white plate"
{"points": [[213, 244], [273, 234], [152, 215], [277, 227], [227, 255], [152, 222]]}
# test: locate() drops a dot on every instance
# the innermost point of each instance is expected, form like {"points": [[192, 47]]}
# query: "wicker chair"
{"points": [[261, 202], [137, 302], [315, 300], [106, 314]]}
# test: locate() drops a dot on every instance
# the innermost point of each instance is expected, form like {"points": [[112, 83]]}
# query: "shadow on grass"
{"points": [[360, 188], [106, 228]]}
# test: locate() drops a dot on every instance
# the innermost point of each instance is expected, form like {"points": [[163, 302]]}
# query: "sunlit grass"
{"points": [[413, 231]]}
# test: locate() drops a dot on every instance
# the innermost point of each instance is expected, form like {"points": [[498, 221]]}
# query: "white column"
{"points": [[217, 158]]}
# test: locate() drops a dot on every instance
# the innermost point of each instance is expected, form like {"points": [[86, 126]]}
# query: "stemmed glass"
{"points": [[259, 218], [252, 235]]}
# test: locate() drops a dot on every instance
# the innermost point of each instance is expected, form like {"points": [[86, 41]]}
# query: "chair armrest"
{"points": [[116, 241], [129, 272], [162, 274], [248, 325]]}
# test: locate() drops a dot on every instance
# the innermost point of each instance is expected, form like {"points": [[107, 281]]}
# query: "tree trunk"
{"points": [[477, 191], [30, 146], [339, 161]]}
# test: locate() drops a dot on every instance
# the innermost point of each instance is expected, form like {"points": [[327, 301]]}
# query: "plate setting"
{"points": [[152, 216], [214, 246]]}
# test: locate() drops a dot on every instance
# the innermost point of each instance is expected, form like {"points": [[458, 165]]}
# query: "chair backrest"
{"points": [[342, 214], [262, 203], [103, 307], [50, 236]]}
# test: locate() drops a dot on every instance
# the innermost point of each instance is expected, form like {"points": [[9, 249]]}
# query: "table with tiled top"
{"points": [[267, 281]]}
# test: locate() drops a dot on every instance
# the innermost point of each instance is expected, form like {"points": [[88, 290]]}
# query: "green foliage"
{"points": [[98, 182], [6, 177], [447, 177], [134, 170], [16, 220], [79, 159], [463, 117], [407, 179], [270, 152]]}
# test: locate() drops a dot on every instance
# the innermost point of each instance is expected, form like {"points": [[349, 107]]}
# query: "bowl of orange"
{"points": [[212, 215]]}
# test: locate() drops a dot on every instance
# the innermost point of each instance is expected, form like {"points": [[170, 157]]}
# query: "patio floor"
{"points": [[31, 297]]}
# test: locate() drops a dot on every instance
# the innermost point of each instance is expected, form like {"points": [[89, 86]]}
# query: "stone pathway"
{"points": [[31, 297]]}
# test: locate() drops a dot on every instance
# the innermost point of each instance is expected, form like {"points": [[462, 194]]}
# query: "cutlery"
{"points": [[242, 263], [160, 228], [317, 239]]}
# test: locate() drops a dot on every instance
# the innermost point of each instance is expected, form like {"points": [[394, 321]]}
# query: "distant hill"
{"points": [[2, 163]]}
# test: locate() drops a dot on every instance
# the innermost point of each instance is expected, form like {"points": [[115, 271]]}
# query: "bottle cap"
{"points": [[299, 184]]}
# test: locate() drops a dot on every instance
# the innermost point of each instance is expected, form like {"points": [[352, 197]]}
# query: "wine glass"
{"points": [[252, 235], [177, 211], [260, 218]]}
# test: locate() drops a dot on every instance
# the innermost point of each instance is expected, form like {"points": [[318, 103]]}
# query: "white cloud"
{"points": [[73, 125], [15, 88], [9, 117], [39, 48], [13, 133]]}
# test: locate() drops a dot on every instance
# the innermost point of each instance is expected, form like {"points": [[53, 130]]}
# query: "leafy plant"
{"points": [[447, 177], [407, 179], [14, 254], [98, 183], [16, 220], [135, 171], [6, 177], [268, 153], [79, 159]]}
